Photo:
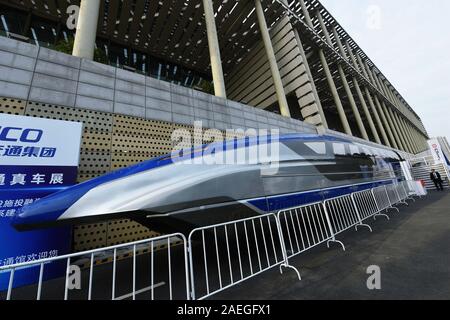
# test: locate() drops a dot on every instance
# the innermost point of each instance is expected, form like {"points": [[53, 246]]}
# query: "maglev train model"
{"points": [[209, 184]]}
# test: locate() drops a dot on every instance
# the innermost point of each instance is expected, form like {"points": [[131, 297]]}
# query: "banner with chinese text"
{"points": [[37, 158]]}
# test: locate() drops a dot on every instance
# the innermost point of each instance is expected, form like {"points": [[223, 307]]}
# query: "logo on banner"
{"points": [[437, 151], [11, 135]]}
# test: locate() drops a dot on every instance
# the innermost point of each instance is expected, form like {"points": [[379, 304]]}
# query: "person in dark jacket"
{"points": [[436, 178]]}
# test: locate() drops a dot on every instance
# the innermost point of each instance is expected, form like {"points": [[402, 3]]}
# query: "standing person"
{"points": [[436, 178]]}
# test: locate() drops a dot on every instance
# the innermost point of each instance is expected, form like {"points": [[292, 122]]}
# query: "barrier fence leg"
{"points": [[379, 214], [191, 268], [333, 237], [406, 189], [401, 201], [186, 250], [360, 224], [391, 205], [285, 263]]}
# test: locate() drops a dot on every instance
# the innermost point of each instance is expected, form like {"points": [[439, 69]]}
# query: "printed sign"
{"points": [[436, 150], [37, 158]]}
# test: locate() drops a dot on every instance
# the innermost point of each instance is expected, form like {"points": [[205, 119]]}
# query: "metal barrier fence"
{"points": [[404, 191], [401, 193], [366, 204], [158, 273], [305, 227], [229, 253], [308, 226], [416, 189], [343, 214], [392, 194], [382, 199], [215, 258]]}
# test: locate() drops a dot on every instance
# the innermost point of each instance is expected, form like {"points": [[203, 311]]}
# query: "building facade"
{"points": [[162, 65]]}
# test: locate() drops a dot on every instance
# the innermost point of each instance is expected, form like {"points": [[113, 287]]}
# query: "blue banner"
{"points": [[36, 160]]}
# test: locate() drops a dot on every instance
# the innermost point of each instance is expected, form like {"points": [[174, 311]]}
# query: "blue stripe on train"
{"points": [[281, 202]]}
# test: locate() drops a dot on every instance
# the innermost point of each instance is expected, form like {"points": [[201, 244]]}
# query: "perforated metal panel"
{"points": [[96, 141], [135, 140], [122, 231], [89, 236], [92, 120], [95, 151], [12, 106]]}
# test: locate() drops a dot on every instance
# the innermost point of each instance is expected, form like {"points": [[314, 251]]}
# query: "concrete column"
{"points": [[419, 140], [324, 29], [401, 130], [406, 131], [214, 50], [86, 33], [279, 88], [352, 101], [366, 111], [369, 72], [385, 90], [378, 119], [407, 135], [313, 85], [335, 93], [398, 127], [411, 138], [377, 81], [339, 43], [423, 141], [306, 14], [390, 118], [386, 124], [391, 95], [394, 99], [352, 56], [361, 65]]}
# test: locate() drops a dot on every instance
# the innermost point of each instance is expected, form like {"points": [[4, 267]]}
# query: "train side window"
{"points": [[339, 149], [368, 152], [309, 150], [318, 147], [353, 150]]}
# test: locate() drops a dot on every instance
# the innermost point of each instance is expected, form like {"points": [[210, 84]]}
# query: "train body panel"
{"points": [[200, 186]]}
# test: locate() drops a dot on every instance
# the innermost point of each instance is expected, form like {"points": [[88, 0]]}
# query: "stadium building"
{"points": [[142, 68]]}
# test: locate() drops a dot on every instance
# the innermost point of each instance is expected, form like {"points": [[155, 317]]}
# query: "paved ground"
{"points": [[412, 250]]}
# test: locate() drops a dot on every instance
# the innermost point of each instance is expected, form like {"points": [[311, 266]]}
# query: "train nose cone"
{"points": [[44, 213], [41, 214]]}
